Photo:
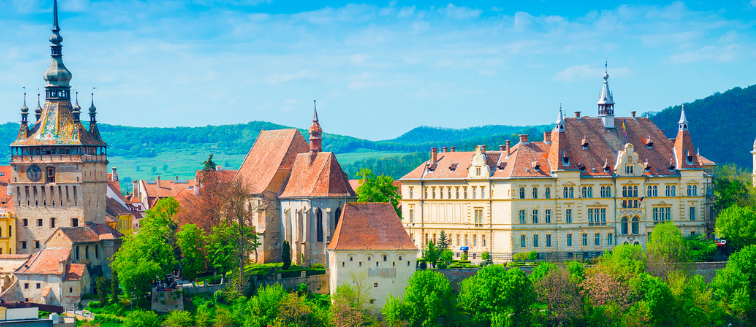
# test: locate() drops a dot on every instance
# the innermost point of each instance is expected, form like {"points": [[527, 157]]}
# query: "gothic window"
{"points": [[319, 219], [636, 225], [338, 215]]}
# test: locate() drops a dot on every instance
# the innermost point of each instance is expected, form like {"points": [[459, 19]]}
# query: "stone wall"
{"points": [[167, 301], [317, 284], [708, 269], [204, 289]]}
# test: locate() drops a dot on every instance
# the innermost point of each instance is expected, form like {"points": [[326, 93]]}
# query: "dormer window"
{"points": [[477, 170], [689, 157], [585, 143], [629, 169], [536, 166], [565, 158]]}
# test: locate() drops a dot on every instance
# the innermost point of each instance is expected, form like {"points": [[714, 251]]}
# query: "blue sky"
{"points": [[378, 68]]}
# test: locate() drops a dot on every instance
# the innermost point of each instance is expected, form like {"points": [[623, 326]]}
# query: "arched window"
{"points": [[636, 223], [522, 192], [319, 215], [624, 226], [338, 216]]}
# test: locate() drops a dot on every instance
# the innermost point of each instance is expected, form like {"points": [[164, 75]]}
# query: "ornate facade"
{"points": [[591, 184]]}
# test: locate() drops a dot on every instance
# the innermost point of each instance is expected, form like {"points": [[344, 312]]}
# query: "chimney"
{"points": [[577, 114], [524, 138], [453, 149], [114, 175], [446, 149], [434, 155], [134, 186], [502, 148], [62, 266], [483, 148], [509, 147], [632, 114], [157, 181], [547, 137], [218, 168], [177, 178]]}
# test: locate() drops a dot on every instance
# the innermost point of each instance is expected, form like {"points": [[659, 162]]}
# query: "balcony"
{"points": [[59, 158]]}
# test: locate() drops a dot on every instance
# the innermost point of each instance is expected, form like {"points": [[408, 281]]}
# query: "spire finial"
{"points": [[315, 108], [24, 96], [37, 97], [55, 15]]}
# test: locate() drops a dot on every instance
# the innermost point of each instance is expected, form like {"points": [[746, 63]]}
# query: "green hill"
{"points": [[722, 125], [427, 134]]}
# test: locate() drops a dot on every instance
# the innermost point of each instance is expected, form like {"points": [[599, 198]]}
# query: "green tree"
{"points": [[737, 225], [732, 186], [497, 291], [431, 254], [149, 254], [139, 318], [266, 303], [666, 250], [178, 319], [428, 296], [443, 241], [735, 286], [446, 257], [286, 255], [221, 248], [103, 289], [561, 295], [378, 189], [209, 164], [192, 242], [700, 248], [347, 308], [393, 312]]}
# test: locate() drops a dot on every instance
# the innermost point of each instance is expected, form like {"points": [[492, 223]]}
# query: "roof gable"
{"points": [[273, 151], [370, 226], [317, 175]]}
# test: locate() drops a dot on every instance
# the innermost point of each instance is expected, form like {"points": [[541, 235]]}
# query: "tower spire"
{"points": [[606, 101], [57, 75], [316, 140], [24, 109], [38, 110], [682, 125], [560, 121], [92, 109]]}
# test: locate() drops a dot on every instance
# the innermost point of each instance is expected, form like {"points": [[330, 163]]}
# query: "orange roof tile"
{"points": [[14, 256], [168, 188], [225, 176], [104, 232], [74, 271], [354, 183], [6, 200], [45, 262], [317, 175], [370, 226], [272, 152], [79, 234]]}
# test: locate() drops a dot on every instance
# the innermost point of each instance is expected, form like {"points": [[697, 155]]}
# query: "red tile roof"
{"points": [[225, 176], [116, 209], [6, 200], [272, 152], [14, 256], [74, 271], [370, 226], [168, 188], [104, 232], [354, 183], [45, 262], [115, 183], [317, 175], [602, 147], [79, 234]]}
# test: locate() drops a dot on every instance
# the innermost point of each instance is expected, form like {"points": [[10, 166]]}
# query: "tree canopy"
{"points": [[378, 189]]}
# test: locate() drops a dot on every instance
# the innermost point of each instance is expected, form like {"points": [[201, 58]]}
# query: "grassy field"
{"points": [[184, 163]]}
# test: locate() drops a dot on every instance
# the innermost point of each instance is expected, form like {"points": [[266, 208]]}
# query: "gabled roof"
{"points": [[586, 143], [370, 226], [74, 271], [78, 234], [116, 209], [273, 151], [104, 232], [317, 175], [168, 188], [45, 262]]}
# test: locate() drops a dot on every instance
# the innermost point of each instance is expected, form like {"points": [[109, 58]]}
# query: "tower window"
{"points": [[74, 222], [51, 174]]}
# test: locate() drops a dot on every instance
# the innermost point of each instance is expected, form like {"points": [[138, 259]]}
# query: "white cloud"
{"points": [[407, 12], [284, 78], [455, 12], [585, 72]]}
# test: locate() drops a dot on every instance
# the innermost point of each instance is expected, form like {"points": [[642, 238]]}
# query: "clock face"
{"points": [[34, 173]]}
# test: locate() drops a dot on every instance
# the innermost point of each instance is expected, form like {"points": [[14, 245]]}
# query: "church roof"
{"points": [[317, 175], [370, 226], [272, 152]]}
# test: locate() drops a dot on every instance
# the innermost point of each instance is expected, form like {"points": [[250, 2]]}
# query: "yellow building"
{"points": [[590, 184], [7, 233]]}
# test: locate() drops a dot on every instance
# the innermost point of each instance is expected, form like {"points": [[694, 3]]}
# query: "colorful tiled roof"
{"points": [[370, 226], [272, 152], [79, 234], [317, 175], [74, 271], [168, 188], [14, 256], [45, 262], [587, 145], [56, 126]]}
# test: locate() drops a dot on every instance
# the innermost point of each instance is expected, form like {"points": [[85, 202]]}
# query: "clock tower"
{"points": [[59, 167]]}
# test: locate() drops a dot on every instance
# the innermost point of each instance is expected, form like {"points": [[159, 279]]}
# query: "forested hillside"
{"points": [[722, 125], [426, 134]]}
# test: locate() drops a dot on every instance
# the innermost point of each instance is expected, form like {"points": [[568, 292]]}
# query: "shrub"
{"points": [[464, 256], [318, 266], [95, 304], [441, 265], [485, 255], [178, 319], [141, 318], [286, 255], [423, 265]]}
